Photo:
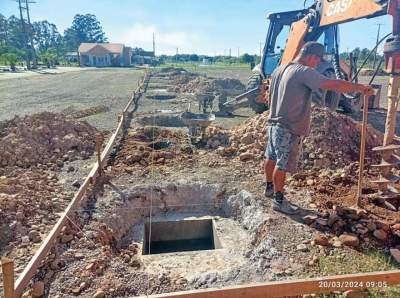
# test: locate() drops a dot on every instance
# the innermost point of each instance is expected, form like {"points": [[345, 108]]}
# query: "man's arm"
{"points": [[342, 86]]}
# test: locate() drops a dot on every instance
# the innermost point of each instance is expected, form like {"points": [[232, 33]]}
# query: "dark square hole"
{"points": [[176, 236]]}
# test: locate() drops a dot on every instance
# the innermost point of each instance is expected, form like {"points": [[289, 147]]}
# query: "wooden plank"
{"points": [[393, 101], [30, 270], [293, 287], [7, 267], [362, 149], [33, 265], [107, 150], [136, 92], [130, 102]]}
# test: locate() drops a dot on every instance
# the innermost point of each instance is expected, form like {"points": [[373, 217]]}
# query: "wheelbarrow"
{"points": [[197, 123]]}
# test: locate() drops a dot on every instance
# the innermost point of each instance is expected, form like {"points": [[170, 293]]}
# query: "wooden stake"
{"points": [[7, 267], [99, 143], [362, 149], [393, 101], [391, 117]]}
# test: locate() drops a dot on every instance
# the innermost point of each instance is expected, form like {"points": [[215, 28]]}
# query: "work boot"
{"points": [[280, 204], [269, 190]]}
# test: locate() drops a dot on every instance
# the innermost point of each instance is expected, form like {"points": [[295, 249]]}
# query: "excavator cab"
{"points": [[275, 43], [287, 32], [278, 32]]}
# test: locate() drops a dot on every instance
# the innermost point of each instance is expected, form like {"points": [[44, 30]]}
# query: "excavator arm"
{"points": [[308, 25], [327, 13]]}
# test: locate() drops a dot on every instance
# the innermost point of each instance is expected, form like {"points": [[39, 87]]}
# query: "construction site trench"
{"points": [[200, 200]]}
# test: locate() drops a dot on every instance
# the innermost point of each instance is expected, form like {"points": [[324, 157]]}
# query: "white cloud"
{"points": [[140, 35]]}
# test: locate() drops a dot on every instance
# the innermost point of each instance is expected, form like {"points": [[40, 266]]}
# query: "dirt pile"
{"points": [[77, 114], [171, 71], [149, 145], [45, 138], [192, 83], [29, 201], [344, 225], [333, 143]]}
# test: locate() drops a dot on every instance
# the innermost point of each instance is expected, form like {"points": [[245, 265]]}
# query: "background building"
{"points": [[104, 54]]}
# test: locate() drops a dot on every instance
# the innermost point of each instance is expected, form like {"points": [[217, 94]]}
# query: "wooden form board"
{"points": [[33, 265], [292, 288]]}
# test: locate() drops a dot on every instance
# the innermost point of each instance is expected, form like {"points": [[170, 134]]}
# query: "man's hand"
{"points": [[342, 86], [368, 90]]}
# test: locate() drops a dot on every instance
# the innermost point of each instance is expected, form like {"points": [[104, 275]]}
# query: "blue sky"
{"points": [[204, 27]]}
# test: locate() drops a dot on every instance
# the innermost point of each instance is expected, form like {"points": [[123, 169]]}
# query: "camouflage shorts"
{"points": [[283, 147]]}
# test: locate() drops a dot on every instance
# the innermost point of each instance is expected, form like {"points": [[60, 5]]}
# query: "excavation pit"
{"points": [[162, 119], [164, 95], [156, 86], [201, 236], [179, 236]]}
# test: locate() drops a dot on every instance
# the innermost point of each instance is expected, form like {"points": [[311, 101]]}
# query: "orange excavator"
{"points": [[289, 31], [320, 22]]}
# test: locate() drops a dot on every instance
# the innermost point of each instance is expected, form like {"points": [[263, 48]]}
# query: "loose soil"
{"points": [[100, 254]]}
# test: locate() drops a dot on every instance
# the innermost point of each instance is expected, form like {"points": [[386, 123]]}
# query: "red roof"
{"points": [[113, 48]]}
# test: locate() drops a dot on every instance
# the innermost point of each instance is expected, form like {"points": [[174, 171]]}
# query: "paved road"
{"points": [[71, 90]]}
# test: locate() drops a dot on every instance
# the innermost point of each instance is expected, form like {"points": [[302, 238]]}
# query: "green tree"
{"points": [[46, 36], [194, 57], [3, 30], [246, 58], [85, 28], [10, 59], [15, 36], [49, 57]]}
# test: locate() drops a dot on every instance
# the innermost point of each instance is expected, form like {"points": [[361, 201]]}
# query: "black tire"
{"points": [[334, 100], [351, 106], [254, 82], [331, 99]]}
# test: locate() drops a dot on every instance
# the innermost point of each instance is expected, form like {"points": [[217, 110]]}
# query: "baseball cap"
{"points": [[313, 48]]}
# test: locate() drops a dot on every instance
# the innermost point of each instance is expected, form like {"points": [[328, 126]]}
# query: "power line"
{"points": [[377, 41]]}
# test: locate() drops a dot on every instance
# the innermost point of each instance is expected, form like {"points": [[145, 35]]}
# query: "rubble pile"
{"points": [[87, 112], [29, 201], [152, 145], [171, 71], [333, 143], [45, 138], [192, 83], [351, 227], [216, 137]]}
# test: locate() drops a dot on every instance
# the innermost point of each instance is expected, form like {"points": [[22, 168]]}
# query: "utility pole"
{"points": [[154, 45], [238, 52], [260, 49], [377, 40], [27, 33], [23, 28], [230, 52], [30, 34]]}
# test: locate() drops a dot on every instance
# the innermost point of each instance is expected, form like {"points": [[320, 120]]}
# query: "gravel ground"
{"points": [[70, 91]]}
